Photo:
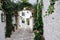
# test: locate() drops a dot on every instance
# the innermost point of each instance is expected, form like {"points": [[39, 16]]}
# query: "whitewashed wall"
{"points": [[51, 22], [27, 15], [2, 28]]}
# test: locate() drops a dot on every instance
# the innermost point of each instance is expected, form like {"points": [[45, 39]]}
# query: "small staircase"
{"points": [[22, 34]]}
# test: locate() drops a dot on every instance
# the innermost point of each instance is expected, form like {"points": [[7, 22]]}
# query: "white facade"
{"points": [[2, 28], [25, 19], [51, 22]]}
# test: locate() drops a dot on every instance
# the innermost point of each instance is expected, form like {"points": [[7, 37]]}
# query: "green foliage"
{"points": [[51, 7], [9, 6], [0, 6], [24, 1], [38, 21], [22, 5], [9, 26]]}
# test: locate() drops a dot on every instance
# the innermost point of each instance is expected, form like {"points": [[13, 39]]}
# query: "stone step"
{"points": [[22, 34]]}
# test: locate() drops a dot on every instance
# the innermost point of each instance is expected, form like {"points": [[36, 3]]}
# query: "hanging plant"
{"points": [[51, 7]]}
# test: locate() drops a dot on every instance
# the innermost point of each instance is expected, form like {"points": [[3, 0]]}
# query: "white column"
{"points": [[31, 23], [19, 21], [13, 20]]}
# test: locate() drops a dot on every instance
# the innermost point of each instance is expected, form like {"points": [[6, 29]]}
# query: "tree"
{"points": [[8, 7]]}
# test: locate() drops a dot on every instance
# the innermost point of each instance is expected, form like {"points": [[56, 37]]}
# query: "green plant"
{"points": [[51, 7], [24, 1], [9, 26], [38, 21]]}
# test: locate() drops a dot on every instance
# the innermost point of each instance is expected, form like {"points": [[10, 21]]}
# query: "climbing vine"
{"points": [[51, 7], [38, 27]]}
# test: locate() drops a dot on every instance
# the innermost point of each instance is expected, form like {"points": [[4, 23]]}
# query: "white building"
{"points": [[25, 19], [2, 26]]}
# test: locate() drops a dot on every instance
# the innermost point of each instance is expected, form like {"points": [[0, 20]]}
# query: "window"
{"points": [[27, 21], [23, 21], [2, 17], [23, 14]]}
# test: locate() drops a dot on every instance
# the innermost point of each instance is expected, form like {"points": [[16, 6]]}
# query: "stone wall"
{"points": [[51, 22]]}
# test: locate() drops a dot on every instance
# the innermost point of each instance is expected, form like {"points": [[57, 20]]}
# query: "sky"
{"points": [[30, 1]]}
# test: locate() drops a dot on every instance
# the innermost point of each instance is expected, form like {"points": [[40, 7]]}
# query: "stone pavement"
{"points": [[22, 34]]}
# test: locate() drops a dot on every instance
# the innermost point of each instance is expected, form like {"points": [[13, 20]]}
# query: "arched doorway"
{"points": [[25, 19]]}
